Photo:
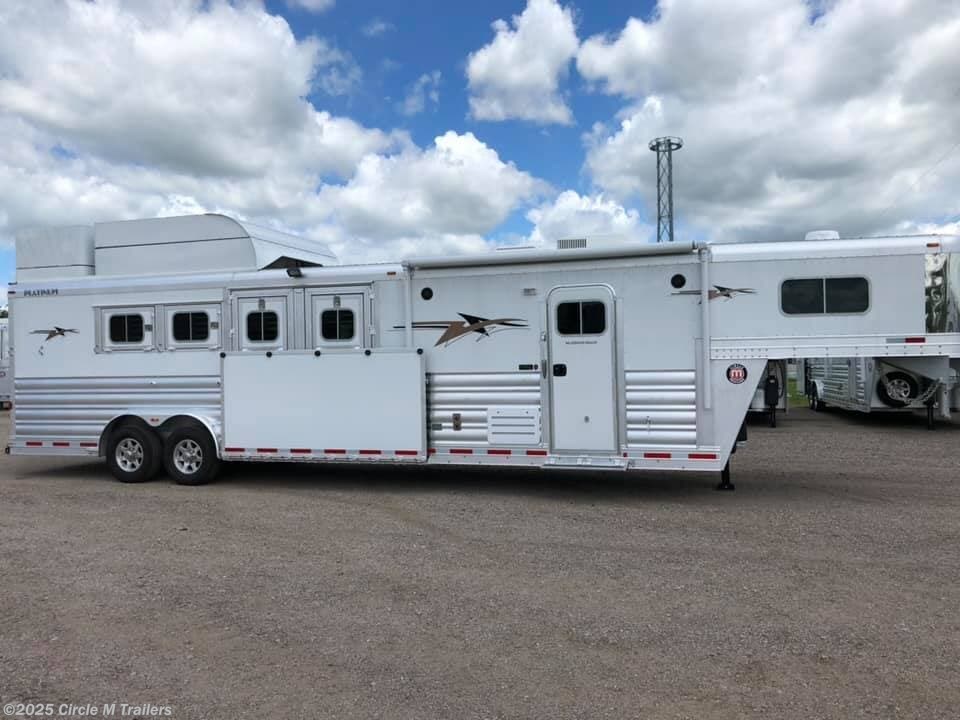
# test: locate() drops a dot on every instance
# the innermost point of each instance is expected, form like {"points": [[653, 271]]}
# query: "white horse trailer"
{"points": [[6, 379], [185, 342], [871, 384]]}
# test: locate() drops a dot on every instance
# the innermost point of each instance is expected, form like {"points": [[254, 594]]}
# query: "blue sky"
{"points": [[385, 130]]}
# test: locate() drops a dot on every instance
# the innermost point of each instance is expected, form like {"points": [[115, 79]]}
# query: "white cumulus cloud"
{"points": [[571, 215], [791, 120], [425, 90], [517, 75]]}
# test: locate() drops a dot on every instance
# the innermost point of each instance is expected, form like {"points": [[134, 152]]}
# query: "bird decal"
{"points": [[718, 291], [457, 329], [55, 332]]}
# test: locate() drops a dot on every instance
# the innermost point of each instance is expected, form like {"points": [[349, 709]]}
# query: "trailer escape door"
{"points": [[581, 368]]}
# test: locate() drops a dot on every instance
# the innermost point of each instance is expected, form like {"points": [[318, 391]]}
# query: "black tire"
{"points": [[907, 381], [190, 446], [133, 453], [816, 404]]}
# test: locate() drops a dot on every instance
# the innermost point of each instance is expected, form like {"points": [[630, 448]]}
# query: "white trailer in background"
{"points": [[185, 342], [6, 379], [872, 384]]}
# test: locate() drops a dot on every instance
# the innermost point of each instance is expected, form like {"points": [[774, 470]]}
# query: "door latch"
{"points": [[559, 370]]}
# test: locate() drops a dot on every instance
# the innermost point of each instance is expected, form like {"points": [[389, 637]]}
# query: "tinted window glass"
{"points": [[847, 295], [190, 326], [802, 297], [594, 318], [262, 326], [337, 324], [568, 318], [126, 328]]}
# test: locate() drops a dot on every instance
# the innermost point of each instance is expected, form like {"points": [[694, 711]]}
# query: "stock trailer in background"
{"points": [[188, 341]]}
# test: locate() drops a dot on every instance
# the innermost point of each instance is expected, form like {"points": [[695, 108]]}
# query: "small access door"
{"points": [[582, 340]]}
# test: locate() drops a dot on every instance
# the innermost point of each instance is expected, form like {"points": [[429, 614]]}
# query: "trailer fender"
{"points": [[191, 418]]}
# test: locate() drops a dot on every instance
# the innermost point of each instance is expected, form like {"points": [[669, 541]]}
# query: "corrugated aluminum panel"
{"points": [[661, 408], [468, 400], [80, 408]]}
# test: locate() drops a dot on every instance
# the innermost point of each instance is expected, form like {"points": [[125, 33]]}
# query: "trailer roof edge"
{"points": [[529, 257]]}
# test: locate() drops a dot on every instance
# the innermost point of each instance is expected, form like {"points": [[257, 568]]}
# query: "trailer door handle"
{"points": [[559, 370]]}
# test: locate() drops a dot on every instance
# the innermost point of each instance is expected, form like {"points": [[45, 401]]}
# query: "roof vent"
{"points": [[571, 243], [822, 235]]}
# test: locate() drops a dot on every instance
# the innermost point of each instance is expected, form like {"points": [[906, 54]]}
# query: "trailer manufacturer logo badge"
{"points": [[736, 373], [458, 329], [719, 291], [55, 332]]}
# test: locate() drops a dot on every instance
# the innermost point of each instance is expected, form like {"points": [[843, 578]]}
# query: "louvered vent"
{"points": [[571, 243]]}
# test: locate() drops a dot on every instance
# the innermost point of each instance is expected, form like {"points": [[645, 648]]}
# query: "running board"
{"points": [[586, 462]]}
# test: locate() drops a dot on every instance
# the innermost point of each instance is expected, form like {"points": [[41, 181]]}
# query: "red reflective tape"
{"points": [[266, 450], [657, 455], [405, 452], [915, 340], [539, 453], [60, 443], [300, 451], [89, 444], [933, 245], [461, 451], [34, 443], [334, 451], [499, 452], [702, 456], [432, 451], [234, 449], [371, 452]]}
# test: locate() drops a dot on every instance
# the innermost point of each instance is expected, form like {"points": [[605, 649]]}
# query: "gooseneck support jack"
{"points": [[725, 483]]}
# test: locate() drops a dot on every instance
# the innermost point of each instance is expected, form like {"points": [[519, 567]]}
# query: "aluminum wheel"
{"points": [[187, 456], [899, 389], [129, 455]]}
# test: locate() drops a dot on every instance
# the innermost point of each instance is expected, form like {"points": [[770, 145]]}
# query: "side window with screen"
{"points": [[262, 326], [818, 296], [126, 328], [588, 317], [337, 324], [191, 326]]}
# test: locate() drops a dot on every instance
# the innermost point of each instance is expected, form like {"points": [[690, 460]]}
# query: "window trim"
{"points": [[215, 333], [101, 319], [823, 279]]}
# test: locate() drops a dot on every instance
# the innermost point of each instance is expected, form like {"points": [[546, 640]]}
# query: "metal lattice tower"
{"points": [[664, 147]]}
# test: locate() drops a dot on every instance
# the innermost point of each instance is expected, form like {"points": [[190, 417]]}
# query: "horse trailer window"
{"points": [[847, 295], [191, 326], [337, 324], [817, 296], [581, 318], [262, 326], [802, 297], [126, 328]]}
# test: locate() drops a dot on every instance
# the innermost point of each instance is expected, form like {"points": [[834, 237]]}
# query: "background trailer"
{"points": [[186, 341]]}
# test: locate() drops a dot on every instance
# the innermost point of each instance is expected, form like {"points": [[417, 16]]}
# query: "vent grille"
{"points": [[571, 243]]}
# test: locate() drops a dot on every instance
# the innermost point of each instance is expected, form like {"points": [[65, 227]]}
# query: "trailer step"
{"points": [[586, 462]]}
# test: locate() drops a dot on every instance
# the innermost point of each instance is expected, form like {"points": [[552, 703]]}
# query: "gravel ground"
{"points": [[826, 586]]}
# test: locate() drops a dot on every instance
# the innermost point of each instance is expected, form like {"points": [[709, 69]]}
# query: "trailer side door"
{"points": [[582, 343]]}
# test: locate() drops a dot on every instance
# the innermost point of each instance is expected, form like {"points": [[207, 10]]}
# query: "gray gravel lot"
{"points": [[826, 586]]}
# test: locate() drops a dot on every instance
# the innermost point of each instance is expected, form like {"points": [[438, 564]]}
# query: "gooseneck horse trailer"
{"points": [[185, 342]]}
